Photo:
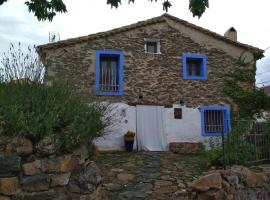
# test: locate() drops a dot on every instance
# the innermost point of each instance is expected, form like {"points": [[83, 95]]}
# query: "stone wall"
{"points": [[40, 171], [157, 78], [232, 184]]}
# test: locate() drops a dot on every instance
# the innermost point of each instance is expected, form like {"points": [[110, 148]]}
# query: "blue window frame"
{"points": [[194, 67], [109, 73], [215, 120]]}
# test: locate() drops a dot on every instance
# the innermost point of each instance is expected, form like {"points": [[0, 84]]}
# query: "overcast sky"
{"points": [[249, 17]]}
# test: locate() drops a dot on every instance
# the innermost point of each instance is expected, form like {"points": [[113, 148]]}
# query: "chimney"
{"points": [[231, 34]]}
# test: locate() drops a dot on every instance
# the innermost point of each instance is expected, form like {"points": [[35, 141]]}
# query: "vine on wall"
{"points": [[249, 100]]}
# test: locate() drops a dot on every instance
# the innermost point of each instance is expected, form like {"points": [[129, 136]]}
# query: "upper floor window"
{"points": [[194, 67], [215, 120], [109, 73], [152, 46]]}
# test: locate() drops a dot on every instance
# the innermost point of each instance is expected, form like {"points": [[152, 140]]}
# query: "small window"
{"points": [[109, 73], [194, 67], [178, 113], [215, 120], [152, 46]]}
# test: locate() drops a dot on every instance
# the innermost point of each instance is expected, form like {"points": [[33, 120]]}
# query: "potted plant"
{"points": [[129, 141]]}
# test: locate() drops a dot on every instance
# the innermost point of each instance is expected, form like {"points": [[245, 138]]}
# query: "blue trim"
{"points": [[120, 55], [227, 119], [203, 67]]}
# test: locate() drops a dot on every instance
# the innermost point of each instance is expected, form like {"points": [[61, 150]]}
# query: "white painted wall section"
{"points": [[187, 129]]}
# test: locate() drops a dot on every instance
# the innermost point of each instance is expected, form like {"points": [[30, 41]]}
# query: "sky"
{"points": [[249, 17]]}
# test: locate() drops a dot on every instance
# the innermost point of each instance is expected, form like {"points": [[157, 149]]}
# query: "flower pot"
{"points": [[129, 145]]}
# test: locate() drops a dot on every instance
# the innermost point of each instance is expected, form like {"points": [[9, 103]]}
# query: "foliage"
{"points": [[250, 101], [34, 110], [238, 150], [17, 64], [129, 135], [212, 152], [47, 9]]}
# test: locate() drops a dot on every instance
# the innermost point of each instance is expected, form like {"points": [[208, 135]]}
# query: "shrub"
{"points": [[34, 110]]}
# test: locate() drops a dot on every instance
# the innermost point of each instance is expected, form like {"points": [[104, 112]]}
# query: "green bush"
{"points": [[34, 110]]}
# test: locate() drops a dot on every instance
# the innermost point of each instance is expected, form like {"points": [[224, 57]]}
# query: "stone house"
{"points": [[165, 75]]}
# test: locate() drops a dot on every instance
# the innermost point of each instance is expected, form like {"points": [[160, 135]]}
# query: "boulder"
{"points": [[20, 146], [125, 177], [210, 181], [9, 186], [9, 165], [36, 183], [60, 179], [32, 168], [87, 177], [250, 178], [82, 153], [44, 195], [185, 147], [4, 197], [48, 145], [60, 164]]}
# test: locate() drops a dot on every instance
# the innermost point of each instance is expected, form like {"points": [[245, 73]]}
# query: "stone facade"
{"points": [[238, 182], [157, 78], [25, 174]]}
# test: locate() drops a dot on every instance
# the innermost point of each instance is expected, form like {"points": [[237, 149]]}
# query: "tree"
{"points": [[47, 9]]}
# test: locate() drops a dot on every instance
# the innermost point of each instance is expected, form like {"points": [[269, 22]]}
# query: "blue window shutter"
{"points": [[203, 67], [120, 56]]}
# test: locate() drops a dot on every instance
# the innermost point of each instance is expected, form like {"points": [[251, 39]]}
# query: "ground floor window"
{"points": [[215, 120]]}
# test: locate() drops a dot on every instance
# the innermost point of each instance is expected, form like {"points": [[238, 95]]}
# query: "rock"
{"points": [[132, 195], [233, 180], [9, 186], [125, 177], [162, 183], [185, 147], [48, 145], [211, 195], [210, 181], [166, 189], [20, 146], [117, 170], [45, 195], [60, 164], [82, 153], [32, 168], [87, 177], [9, 165], [250, 178], [112, 186], [181, 185], [36, 183], [60, 180], [4, 197]]}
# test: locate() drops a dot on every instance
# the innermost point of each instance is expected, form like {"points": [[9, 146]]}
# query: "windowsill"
{"points": [[214, 134], [109, 93], [152, 53], [201, 78]]}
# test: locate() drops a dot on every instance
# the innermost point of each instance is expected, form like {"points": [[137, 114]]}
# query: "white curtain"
{"points": [[150, 128]]}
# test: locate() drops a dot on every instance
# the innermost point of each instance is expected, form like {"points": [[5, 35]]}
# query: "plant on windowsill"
{"points": [[129, 141]]}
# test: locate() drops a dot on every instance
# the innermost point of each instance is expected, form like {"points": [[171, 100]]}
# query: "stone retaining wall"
{"points": [[232, 184], [40, 172]]}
